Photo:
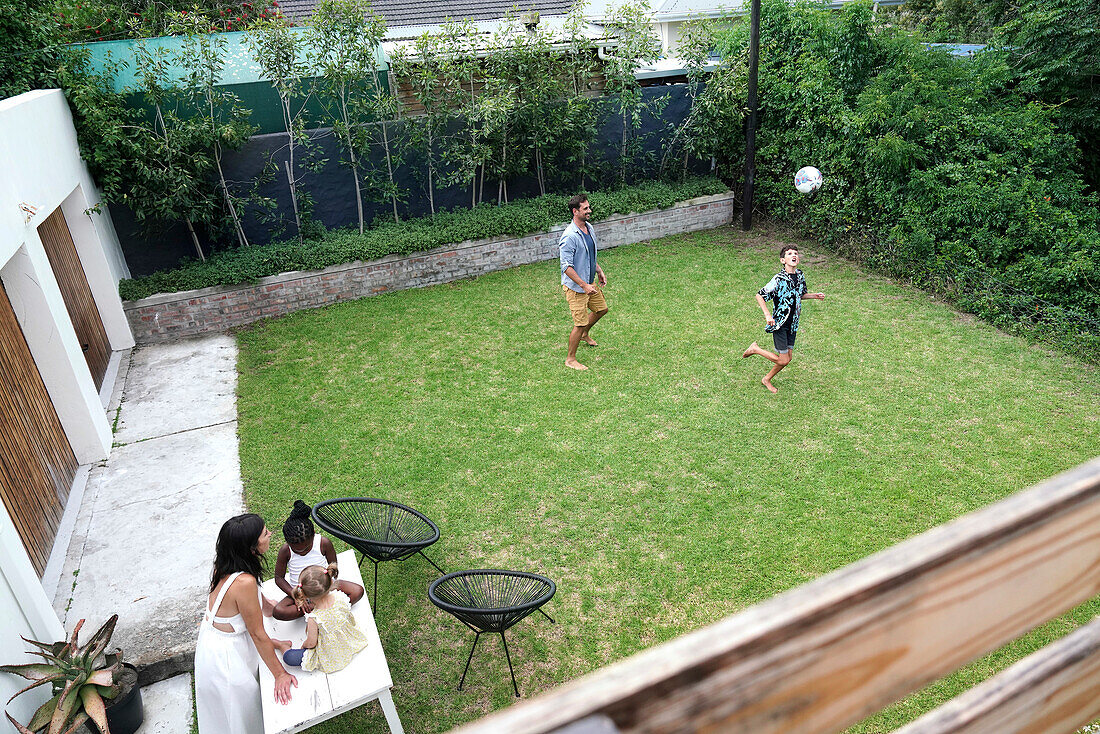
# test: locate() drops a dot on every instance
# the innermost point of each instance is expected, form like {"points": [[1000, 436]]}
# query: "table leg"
{"points": [[388, 709]]}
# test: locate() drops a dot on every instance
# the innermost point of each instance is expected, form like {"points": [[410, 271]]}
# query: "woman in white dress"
{"points": [[232, 639]]}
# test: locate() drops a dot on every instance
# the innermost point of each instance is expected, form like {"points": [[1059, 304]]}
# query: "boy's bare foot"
{"points": [[767, 383], [282, 645], [750, 351], [589, 341], [574, 364]]}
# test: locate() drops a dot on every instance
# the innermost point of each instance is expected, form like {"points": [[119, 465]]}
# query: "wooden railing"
{"points": [[827, 654]]}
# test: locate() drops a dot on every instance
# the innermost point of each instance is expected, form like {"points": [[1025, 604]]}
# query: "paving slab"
{"points": [[143, 541], [168, 706], [178, 387]]}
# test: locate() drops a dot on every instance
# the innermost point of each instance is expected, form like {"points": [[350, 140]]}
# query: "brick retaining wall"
{"points": [[174, 315]]}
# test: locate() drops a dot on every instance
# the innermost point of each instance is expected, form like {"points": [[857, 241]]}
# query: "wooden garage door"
{"points": [[37, 464], [58, 242]]}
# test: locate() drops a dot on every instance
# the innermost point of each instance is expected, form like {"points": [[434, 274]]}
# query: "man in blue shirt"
{"points": [[579, 273]]}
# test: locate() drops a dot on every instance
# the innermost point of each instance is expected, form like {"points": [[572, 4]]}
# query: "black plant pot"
{"points": [[125, 713]]}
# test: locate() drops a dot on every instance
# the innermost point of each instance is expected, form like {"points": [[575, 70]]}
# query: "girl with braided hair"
{"points": [[304, 548], [332, 636]]}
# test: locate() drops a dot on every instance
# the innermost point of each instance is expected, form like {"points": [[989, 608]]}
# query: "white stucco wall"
{"points": [[27, 614], [40, 166]]}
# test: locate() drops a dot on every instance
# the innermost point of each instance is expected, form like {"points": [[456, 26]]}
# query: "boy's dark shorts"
{"points": [[784, 338]]}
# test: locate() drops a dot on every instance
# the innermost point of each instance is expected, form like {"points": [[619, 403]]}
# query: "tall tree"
{"points": [[429, 68], [637, 44], [345, 36], [276, 48], [224, 120]]}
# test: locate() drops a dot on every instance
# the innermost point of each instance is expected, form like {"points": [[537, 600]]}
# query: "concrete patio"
{"points": [[143, 539]]}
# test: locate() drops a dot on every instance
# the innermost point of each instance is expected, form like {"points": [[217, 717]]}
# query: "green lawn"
{"points": [[664, 488]]}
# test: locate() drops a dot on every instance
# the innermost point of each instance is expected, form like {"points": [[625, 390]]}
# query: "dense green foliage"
{"points": [[82, 21], [27, 52], [1054, 46], [518, 218], [939, 169]]}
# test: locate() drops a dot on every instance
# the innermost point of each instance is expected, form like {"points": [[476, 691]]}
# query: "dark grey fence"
{"points": [[260, 164]]}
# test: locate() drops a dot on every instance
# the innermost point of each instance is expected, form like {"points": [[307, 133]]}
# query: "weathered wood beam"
{"points": [[1052, 691]]}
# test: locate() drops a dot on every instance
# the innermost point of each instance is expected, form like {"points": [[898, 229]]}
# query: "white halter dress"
{"points": [[227, 683]]}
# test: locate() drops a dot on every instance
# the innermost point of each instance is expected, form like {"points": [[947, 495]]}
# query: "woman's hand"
{"points": [[282, 687]]}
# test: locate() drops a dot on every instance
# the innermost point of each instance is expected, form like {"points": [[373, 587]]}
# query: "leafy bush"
{"points": [[246, 264], [937, 169]]}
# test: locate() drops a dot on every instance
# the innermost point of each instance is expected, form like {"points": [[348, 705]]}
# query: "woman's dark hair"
{"points": [[298, 527], [236, 548]]}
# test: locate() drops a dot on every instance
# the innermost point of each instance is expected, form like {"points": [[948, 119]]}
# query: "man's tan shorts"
{"points": [[581, 303]]}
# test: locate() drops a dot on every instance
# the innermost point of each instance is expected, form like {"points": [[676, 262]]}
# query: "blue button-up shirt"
{"points": [[574, 251]]}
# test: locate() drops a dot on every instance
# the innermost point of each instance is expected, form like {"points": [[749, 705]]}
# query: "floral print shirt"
{"points": [[785, 291]]}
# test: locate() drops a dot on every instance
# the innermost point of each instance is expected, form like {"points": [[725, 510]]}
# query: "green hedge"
{"points": [[938, 169], [247, 264]]}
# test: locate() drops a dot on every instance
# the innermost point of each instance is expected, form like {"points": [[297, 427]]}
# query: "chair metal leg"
{"points": [[547, 616], [429, 560], [476, 638], [510, 670]]}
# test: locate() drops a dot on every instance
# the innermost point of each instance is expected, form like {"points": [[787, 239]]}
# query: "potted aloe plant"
{"points": [[88, 683]]}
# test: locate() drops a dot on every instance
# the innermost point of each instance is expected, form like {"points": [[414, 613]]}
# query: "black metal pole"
{"points": [[750, 129]]}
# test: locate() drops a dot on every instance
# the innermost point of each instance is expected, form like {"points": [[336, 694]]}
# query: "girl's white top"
{"points": [[297, 563]]}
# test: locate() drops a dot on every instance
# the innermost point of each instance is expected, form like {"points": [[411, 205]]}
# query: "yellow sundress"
{"points": [[338, 637]]}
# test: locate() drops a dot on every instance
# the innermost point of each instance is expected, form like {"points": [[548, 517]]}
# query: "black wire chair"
{"points": [[491, 600], [380, 530]]}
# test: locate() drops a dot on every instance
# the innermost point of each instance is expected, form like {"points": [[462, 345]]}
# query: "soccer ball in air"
{"points": [[808, 179]]}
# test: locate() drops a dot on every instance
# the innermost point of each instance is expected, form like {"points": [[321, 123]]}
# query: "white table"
{"points": [[321, 696]]}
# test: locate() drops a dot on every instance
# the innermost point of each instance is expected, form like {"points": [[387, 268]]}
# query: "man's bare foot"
{"points": [[574, 364], [766, 383], [589, 341], [750, 351]]}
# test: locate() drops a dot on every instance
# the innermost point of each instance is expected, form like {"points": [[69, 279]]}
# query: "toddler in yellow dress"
{"points": [[332, 637]]}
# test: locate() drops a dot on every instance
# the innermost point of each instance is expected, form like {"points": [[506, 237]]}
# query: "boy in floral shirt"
{"points": [[786, 291]]}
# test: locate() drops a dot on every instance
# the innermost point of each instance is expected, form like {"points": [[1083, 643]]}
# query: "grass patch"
{"points": [[664, 488]]}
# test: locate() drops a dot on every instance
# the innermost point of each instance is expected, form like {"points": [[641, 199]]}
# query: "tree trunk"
{"points": [[242, 240], [354, 162], [622, 153], [473, 146], [431, 173], [389, 169], [539, 172], [290, 164], [195, 239]]}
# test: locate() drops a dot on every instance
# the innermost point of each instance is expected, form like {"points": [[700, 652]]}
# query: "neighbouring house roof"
{"points": [[432, 12]]}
